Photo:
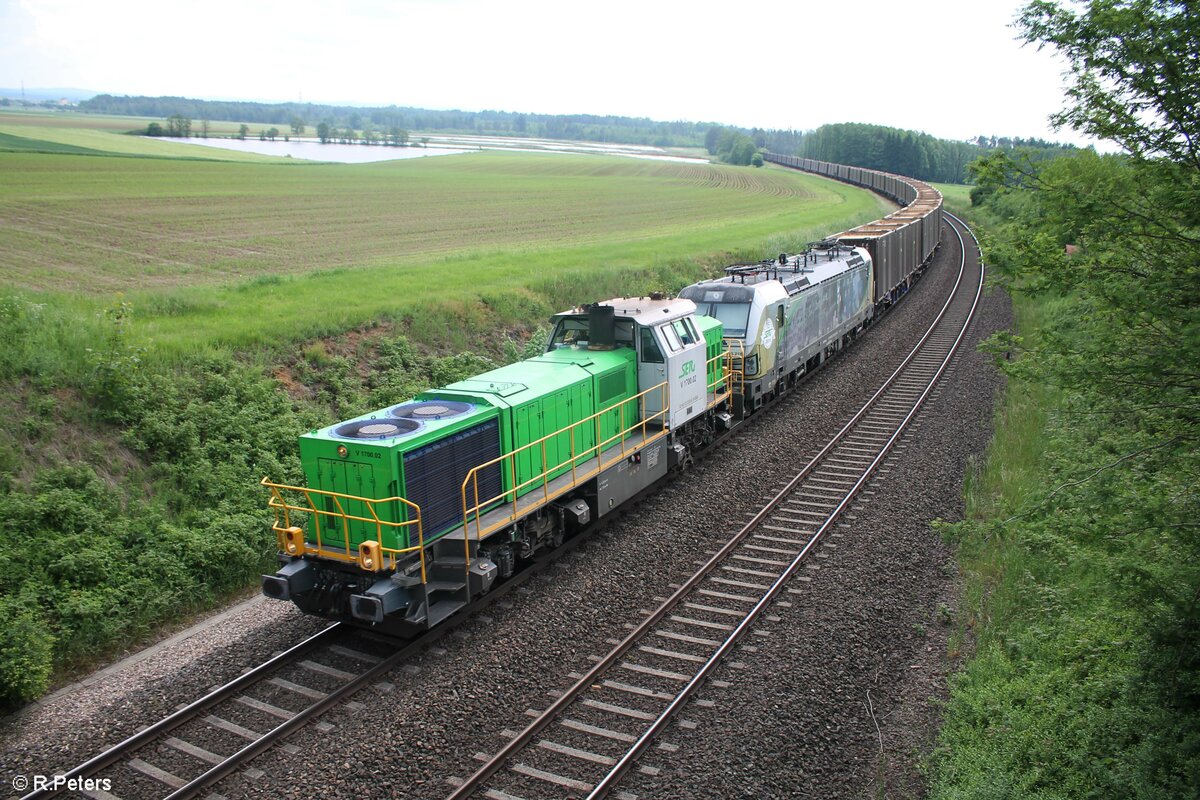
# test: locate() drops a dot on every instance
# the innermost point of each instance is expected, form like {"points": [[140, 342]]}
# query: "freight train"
{"points": [[414, 510]]}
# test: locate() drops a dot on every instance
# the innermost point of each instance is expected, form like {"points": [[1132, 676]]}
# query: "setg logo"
{"points": [[689, 368]]}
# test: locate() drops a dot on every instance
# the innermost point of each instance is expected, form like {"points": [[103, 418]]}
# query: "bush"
{"points": [[26, 650]]}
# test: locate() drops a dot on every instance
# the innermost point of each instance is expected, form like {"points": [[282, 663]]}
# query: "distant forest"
{"points": [[585, 127], [917, 155], [873, 146]]}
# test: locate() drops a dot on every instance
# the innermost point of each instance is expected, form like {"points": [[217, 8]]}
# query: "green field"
{"points": [[202, 248]]}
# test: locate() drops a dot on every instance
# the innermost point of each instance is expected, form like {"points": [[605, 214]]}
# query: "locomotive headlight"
{"points": [[752, 365], [370, 556], [293, 541], [342, 451]]}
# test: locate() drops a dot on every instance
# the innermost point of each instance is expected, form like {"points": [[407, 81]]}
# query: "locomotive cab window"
{"points": [[569, 332], [624, 334], [651, 354], [734, 316], [673, 343], [686, 333]]}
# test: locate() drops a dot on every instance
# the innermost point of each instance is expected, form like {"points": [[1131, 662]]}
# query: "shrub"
{"points": [[26, 649]]}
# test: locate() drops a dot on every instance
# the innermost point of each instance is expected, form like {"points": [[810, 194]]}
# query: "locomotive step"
{"points": [[439, 611], [444, 586]]}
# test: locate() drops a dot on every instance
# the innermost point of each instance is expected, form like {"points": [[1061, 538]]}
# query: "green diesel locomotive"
{"points": [[413, 510]]}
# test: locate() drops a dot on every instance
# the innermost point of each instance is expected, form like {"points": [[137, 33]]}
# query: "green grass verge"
{"points": [[956, 196], [1055, 700]]}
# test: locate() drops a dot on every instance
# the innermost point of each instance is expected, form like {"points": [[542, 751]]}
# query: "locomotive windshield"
{"points": [[728, 303], [733, 316], [569, 331], [573, 331]]}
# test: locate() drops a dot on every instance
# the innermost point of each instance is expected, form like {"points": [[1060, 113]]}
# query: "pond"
{"points": [[437, 145], [312, 150]]}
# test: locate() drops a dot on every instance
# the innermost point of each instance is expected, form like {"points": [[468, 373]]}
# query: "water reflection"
{"points": [[438, 145], [315, 151]]}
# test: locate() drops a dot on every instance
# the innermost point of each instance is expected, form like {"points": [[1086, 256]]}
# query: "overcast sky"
{"points": [[947, 67]]}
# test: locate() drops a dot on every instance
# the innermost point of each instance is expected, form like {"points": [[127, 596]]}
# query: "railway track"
{"points": [[593, 733], [180, 755]]}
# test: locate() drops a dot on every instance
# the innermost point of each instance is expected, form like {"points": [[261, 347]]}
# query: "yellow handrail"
{"points": [[282, 510], [735, 363], [725, 376], [471, 482]]}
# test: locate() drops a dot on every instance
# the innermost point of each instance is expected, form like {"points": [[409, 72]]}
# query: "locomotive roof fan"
{"points": [[430, 410], [376, 428]]}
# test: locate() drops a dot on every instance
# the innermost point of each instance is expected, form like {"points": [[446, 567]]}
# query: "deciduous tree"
{"points": [[179, 125]]}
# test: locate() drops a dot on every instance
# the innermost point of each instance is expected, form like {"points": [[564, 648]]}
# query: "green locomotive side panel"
{"points": [[426, 461], [545, 397]]}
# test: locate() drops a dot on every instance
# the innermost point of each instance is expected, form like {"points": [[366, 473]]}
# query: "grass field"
{"points": [[203, 249], [28, 138], [957, 196], [74, 121]]}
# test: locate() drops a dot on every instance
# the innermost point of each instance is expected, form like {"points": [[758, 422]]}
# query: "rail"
{"points": [[293, 540]]}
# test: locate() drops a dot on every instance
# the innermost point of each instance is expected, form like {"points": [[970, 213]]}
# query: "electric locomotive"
{"points": [[783, 317]]}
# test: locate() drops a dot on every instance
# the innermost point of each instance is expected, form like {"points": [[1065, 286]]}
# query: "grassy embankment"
{"points": [[1073, 685], [172, 325]]}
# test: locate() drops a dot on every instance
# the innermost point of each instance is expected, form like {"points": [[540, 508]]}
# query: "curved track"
{"points": [[676, 646], [607, 719]]}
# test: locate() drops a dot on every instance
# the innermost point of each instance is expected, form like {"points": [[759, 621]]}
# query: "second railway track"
{"points": [[593, 733]]}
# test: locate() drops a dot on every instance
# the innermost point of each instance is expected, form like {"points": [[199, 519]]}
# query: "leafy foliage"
{"points": [[96, 557], [1087, 681], [732, 146]]}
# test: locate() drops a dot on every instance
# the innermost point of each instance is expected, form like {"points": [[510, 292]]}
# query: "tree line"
{"points": [[905, 152], [911, 153], [589, 127]]}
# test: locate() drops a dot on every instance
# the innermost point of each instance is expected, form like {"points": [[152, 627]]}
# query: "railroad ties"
{"points": [[220, 733], [593, 733]]}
